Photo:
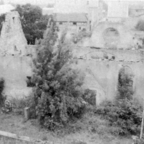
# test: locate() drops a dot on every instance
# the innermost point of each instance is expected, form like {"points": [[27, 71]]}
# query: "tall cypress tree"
{"points": [[58, 88]]}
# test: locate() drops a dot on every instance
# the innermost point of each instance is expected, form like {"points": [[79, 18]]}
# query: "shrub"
{"points": [[2, 19], [2, 97], [140, 25], [18, 104], [58, 88], [31, 103], [125, 84], [81, 35], [90, 97], [124, 114]]}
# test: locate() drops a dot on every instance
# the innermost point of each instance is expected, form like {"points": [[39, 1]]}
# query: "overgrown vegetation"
{"points": [[33, 22], [2, 19], [140, 25], [59, 99], [18, 104], [58, 93], [125, 112], [125, 84], [81, 35], [2, 97]]}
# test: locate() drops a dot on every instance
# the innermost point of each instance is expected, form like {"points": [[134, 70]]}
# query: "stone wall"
{"points": [[15, 60], [14, 70], [12, 39], [124, 39], [101, 68]]}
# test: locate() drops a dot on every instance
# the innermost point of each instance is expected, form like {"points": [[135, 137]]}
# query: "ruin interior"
{"points": [[114, 44]]}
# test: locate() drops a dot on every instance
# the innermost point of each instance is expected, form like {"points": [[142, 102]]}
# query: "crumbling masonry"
{"points": [[15, 65]]}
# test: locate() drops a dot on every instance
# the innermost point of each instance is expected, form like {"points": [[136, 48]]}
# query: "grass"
{"points": [[4, 140], [96, 128], [18, 105], [90, 129]]}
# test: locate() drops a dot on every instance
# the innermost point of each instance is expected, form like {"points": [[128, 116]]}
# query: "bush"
{"points": [[58, 88], [125, 84], [90, 97], [124, 114], [18, 104], [2, 97], [81, 35], [2, 19], [140, 25]]}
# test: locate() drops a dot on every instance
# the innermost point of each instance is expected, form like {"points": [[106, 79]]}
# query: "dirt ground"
{"points": [[15, 124]]}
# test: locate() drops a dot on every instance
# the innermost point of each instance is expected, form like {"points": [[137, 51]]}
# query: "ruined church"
{"points": [[115, 44], [15, 62]]}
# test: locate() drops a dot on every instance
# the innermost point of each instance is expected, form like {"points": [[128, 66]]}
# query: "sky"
{"points": [[53, 1]]}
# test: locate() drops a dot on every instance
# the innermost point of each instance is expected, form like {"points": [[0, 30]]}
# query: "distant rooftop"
{"points": [[47, 11], [72, 17]]}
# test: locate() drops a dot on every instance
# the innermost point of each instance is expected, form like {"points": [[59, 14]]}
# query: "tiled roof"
{"points": [[71, 17]]}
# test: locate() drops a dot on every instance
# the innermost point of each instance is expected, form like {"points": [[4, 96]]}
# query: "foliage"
{"points": [[125, 112], [90, 97], [2, 19], [125, 84], [137, 140], [33, 22], [140, 25], [2, 86], [57, 92], [81, 35], [18, 104]]}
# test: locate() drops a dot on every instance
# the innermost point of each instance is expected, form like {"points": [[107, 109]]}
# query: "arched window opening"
{"points": [[125, 83]]}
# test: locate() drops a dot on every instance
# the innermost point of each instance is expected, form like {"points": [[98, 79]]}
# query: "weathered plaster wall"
{"points": [[101, 70], [14, 70], [15, 64], [12, 39], [127, 39]]}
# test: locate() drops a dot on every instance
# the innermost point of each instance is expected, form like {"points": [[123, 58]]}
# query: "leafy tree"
{"points": [[58, 88], [33, 22]]}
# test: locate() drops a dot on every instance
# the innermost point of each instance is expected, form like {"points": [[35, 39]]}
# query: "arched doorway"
{"points": [[125, 83]]}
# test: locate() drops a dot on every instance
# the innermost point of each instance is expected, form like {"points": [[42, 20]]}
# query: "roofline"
{"points": [[71, 21], [85, 21]]}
